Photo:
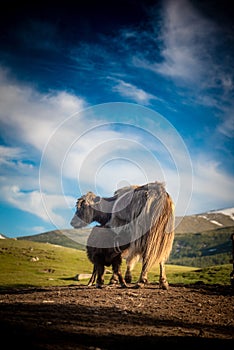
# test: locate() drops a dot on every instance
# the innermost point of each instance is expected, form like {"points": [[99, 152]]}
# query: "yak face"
{"points": [[85, 210]]}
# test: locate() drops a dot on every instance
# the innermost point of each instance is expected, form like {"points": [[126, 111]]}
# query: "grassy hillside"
{"points": [[31, 263], [25, 263], [202, 249]]}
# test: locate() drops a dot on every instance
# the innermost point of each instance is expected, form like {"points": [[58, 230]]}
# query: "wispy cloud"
{"points": [[193, 55], [10, 155], [31, 202], [29, 116], [211, 184], [133, 93], [186, 39], [188, 44]]}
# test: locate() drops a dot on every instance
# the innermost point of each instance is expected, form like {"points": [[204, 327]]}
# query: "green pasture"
{"points": [[27, 263]]}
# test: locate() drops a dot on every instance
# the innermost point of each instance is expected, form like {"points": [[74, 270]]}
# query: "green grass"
{"points": [[58, 265]]}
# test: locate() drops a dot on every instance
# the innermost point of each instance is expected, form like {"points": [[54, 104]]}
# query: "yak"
{"points": [[145, 213], [104, 248]]}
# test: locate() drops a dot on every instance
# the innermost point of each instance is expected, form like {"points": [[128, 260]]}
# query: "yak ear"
{"points": [[97, 199]]}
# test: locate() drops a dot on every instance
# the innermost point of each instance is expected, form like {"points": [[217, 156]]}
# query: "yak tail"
{"points": [[160, 236]]}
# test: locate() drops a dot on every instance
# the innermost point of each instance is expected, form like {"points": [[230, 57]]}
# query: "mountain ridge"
{"points": [[205, 221]]}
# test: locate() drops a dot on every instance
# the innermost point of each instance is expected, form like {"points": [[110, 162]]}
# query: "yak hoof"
{"points": [[128, 279], [99, 286], [139, 285], [164, 285], [123, 285]]}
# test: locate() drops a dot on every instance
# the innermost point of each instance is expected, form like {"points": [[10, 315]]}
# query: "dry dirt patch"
{"points": [[78, 317]]}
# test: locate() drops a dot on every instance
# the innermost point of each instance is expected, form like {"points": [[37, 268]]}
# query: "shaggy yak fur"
{"points": [[146, 215], [104, 248]]}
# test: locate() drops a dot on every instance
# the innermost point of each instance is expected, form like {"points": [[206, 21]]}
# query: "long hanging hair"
{"points": [[147, 212]]}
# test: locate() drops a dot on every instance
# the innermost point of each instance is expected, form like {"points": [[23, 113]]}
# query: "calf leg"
{"points": [[116, 266], [114, 278], [100, 275], [163, 278], [93, 277]]}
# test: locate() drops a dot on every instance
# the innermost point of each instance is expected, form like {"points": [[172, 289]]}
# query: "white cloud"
{"points": [[131, 91], [36, 229], [26, 201], [226, 127], [185, 36], [9, 154], [195, 55], [29, 116], [28, 119], [186, 41], [189, 43], [212, 188], [32, 202]]}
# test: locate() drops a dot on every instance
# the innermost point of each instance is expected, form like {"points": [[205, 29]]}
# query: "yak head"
{"points": [[85, 210]]}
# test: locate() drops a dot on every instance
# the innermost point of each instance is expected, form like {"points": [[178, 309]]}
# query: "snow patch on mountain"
{"points": [[228, 212], [216, 222], [212, 221]]}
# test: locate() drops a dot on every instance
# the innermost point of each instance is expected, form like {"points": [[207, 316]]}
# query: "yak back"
{"points": [[137, 200]]}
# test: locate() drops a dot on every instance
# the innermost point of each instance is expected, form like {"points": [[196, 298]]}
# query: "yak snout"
{"points": [[76, 222]]}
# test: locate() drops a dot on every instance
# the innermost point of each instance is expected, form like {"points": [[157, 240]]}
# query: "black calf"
{"points": [[104, 248]]}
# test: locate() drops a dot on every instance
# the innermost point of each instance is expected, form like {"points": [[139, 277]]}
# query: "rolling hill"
{"points": [[67, 238]]}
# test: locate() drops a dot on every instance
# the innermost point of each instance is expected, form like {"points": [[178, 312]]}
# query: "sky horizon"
{"points": [[96, 96]]}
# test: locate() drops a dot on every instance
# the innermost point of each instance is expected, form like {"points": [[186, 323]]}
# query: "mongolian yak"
{"points": [[145, 213]]}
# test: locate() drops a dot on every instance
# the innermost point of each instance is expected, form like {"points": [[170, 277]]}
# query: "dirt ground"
{"points": [[81, 317]]}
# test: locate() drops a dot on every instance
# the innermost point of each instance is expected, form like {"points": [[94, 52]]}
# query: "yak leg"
{"points": [[131, 262], [100, 275], [163, 278], [117, 271], [93, 277]]}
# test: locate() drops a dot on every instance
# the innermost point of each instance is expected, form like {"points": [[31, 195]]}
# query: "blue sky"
{"points": [[97, 96]]}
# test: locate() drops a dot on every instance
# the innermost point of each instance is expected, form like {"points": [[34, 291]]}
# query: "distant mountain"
{"points": [[70, 238], [205, 221]]}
